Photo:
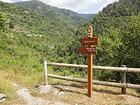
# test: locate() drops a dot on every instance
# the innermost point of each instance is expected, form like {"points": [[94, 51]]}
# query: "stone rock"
{"points": [[55, 91], [2, 97], [61, 93], [24, 93], [45, 89]]}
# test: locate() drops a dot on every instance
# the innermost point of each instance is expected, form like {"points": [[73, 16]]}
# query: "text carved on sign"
{"points": [[90, 41], [87, 50]]}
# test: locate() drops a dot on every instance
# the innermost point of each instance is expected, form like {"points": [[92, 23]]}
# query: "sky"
{"points": [[80, 6]]}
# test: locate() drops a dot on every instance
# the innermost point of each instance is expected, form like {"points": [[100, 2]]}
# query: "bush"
{"points": [[4, 22]]}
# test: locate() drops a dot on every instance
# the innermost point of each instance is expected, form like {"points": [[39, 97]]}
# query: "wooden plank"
{"points": [[134, 70], [90, 63], [67, 65], [88, 41], [123, 79], [45, 73], [90, 50], [134, 86], [67, 78], [95, 82], [102, 68]]}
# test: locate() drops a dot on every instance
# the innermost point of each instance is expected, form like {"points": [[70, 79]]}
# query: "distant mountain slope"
{"points": [[87, 16], [52, 12]]}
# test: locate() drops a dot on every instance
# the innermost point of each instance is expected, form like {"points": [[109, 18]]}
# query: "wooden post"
{"points": [[89, 44], [90, 59], [90, 64], [123, 79], [45, 73]]}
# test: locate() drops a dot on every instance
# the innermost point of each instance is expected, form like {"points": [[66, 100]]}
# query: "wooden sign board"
{"points": [[88, 41], [87, 50], [89, 47]]}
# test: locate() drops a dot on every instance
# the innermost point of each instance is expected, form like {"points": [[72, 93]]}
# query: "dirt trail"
{"points": [[26, 96], [24, 93], [75, 94]]}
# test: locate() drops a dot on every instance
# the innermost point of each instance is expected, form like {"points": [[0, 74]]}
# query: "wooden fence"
{"points": [[124, 70]]}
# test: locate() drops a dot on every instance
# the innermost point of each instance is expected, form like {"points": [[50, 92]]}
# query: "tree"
{"points": [[4, 22]]}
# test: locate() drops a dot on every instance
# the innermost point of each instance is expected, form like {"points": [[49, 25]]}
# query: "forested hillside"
{"points": [[118, 26], [122, 31], [122, 8], [28, 38]]}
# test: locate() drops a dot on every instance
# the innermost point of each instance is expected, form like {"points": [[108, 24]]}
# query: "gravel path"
{"points": [[24, 94], [72, 95]]}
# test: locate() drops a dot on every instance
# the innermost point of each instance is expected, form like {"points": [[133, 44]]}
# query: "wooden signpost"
{"points": [[89, 47], [89, 41]]}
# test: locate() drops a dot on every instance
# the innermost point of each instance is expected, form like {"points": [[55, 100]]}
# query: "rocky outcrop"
{"points": [[2, 97]]}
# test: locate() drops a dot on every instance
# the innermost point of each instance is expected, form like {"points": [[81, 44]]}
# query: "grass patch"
{"points": [[6, 86], [8, 77]]}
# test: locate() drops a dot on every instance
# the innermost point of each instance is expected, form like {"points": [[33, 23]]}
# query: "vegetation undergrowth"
{"points": [[6, 86]]}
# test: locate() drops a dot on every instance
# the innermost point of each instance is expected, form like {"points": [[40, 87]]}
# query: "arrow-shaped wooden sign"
{"points": [[87, 50], [88, 41]]}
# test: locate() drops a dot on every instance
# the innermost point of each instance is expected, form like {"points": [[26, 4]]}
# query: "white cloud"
{"points": [[24, 0], [80, 6], [108, 2], [7, 1], [75, 5]]}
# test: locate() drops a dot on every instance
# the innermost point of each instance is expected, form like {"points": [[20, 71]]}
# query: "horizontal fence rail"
{"points": [[123, 71], [104, 68], [96, 82]]}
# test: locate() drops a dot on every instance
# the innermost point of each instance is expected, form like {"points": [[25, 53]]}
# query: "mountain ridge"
{"points": [[88, 16], [51, 11], [122, 8]]}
